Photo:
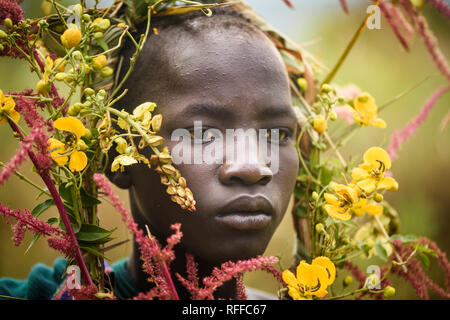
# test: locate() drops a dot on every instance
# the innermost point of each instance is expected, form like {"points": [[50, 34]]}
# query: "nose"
{"points": [[245, 173]]}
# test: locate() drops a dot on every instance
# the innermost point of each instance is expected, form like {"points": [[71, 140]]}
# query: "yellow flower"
{"points": [[369, 176], [339, 204], [7, 106], [60, 151], [122, 161], [361, 206], [320, 124], [366, 112], [71, 37], [311, 280]]}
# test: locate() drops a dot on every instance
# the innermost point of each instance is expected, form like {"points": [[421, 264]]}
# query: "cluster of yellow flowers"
{"points": [[360, 195]]}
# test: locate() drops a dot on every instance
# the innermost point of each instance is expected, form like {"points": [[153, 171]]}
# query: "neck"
{"points": [[227, 291]]}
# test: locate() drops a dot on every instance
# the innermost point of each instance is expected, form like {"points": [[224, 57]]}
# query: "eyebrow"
{"points": [[222, 111]]}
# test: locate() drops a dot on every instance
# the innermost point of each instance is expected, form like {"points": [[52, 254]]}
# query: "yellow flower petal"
{"points": [[337, 213], [313, 277], [359, 174], [289, 278], [331, 199], [328, 265], [347, 192], [379, 123], [56, 149], [376, 154], [373, 209], [78, 161], [295, 293], [368, 185], [15, 115], [70, 124], [388, 183]]}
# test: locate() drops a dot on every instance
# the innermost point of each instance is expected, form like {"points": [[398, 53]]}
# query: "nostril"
{"points": [[245, 174]]}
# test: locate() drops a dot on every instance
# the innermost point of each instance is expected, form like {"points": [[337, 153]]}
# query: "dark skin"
{"points": [[241, 82]]}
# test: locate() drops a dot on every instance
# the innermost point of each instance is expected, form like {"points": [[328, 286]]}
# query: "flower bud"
{"points": [[89, 92], [101, 24], [99, 62], [71, 38], [156, 122], [302, 84], [46, 7], [43, 87], [98, 35], [61, 76], [320, 124], [320, 228], [154, 159], [86, 17], [3, 34], [101, 94], [77, 55], [2, 47], [107, 72], [122, 25], [378, 197], [8, 23], [389, 292], [75, 109], [315, 196], [333, 115], [87, 133], [347, 281], [326, 88], [369, 244], [81, 145], [363, 98]]}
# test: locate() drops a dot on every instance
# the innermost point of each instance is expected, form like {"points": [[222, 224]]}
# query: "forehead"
{"points": [[221, 66]]}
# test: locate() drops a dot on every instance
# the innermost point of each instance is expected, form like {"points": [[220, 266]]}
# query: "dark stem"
{"points": [[44, 174]]}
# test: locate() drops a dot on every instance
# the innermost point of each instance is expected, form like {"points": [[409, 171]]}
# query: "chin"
{"points": [[242, 249]]}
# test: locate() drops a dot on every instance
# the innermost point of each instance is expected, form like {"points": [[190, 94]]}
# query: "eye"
{"points": [[283, 134], [207, 135]]}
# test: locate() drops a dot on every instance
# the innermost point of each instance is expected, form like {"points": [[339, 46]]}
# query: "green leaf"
{"points": [[93, 251], [424, 260], [73, 222], [64, 192], [381, 251], [41, 207], [349, 223], [33, 241], [87, 200], [52, 221], [327, 176], [301, 211], [97, 243], [404, 238], [91, 233], [423, 248]]}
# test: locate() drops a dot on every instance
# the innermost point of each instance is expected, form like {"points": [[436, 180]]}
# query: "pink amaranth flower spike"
{"points": [[399, 137]]}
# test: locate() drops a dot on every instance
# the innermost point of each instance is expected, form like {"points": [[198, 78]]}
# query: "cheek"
{"points": [[287, 173]]}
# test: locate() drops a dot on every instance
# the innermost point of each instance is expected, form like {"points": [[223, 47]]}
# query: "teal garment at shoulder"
{"points": [[43, 281]]}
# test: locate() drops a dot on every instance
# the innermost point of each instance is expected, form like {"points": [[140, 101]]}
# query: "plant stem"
{"points": [[349, 47], [44, 174]]}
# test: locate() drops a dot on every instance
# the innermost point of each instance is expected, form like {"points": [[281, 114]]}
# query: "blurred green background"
{"points": [[377, 64]]}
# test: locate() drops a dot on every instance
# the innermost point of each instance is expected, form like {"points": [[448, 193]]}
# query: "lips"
{"points": [[247, 213]]}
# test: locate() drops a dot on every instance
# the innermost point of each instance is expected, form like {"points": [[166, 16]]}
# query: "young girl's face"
{"points": [[226, 79]]}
